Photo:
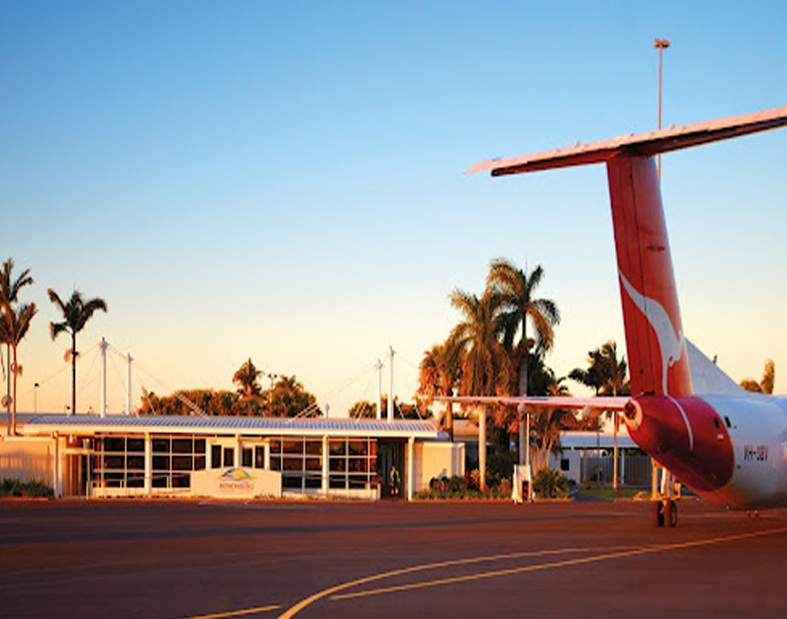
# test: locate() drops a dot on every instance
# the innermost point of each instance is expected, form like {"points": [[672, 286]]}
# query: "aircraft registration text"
{"points": [[758, 453]]}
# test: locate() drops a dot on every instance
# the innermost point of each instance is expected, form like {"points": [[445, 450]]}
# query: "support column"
{"points": [[129, 390], [57, 482], [379, 367], [237, 458], [325, 456], [482, 447], [391, 389], [410, 467], [61, 466], [103, 411], [615, 480], [654, 479], [521, 427], [622, 466], [148, 464]]}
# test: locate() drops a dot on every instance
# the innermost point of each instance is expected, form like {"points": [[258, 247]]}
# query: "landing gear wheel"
{"points": [[658, 514], [671, 513]]}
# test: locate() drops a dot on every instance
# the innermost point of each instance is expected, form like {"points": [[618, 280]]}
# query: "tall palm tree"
{"points": [[767, 382], [615, 384], [549, 424], [768, 377], [608, 376], [289, 398], [76, 313], [514, 292], [614, 381], [14, 324], [591, 376], [246, 377], [439, 373], [486, 368]]}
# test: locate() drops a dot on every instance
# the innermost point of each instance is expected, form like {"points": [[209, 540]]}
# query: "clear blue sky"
{"points": [[284, 180]]}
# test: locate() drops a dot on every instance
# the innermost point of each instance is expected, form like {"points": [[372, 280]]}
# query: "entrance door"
{"points": [[76, 473], [390, 454]]}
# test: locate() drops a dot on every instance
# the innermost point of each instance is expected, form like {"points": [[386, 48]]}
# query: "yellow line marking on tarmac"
{"points": [[420, 568], [237, 613], [625, 552], [547, 566]]}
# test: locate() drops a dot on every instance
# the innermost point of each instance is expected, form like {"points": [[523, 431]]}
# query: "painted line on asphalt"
{"points": [[292, 611], [625, 552], [237, 613], [553, 565]]}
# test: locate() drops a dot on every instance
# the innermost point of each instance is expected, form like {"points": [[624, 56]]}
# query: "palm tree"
{"points": [[289, 398], [767, 382], [513, 291], [13, 327], [768, 377], [613, 371], [615, 383], [439, 373], [590, 377], [607, 375], [486, 368], [14, 324], [246, 378], [550, 423], [76, 312]]}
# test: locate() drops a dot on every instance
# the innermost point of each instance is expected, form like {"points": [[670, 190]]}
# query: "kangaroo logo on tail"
{"points": [[670, 342]]}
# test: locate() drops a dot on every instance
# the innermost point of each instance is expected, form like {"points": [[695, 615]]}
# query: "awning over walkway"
{"points": [[43, 424]]}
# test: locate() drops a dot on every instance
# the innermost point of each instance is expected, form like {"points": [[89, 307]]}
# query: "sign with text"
{"points": [[236, 482]]}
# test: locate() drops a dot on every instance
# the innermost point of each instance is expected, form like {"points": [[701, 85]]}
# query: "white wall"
{"points": [[437, 460], [27, 459]]}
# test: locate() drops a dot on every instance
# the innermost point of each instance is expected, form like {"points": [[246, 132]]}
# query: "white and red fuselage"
{"points": [[730, 450], [727, 445]]}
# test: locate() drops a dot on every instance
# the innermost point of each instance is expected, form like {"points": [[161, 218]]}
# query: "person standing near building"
{"points": [[395, 481]]}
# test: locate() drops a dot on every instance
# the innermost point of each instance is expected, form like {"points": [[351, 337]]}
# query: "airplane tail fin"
{"points": [[656, 345]]}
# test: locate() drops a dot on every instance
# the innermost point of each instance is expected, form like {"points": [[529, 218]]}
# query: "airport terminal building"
{"points": [[241, 457]]}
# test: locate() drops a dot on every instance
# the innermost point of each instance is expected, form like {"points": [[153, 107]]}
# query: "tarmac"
{"points": [[163, 559]]}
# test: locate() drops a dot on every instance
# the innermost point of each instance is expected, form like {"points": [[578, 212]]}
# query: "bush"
{"points": [[17, 488], [549, 484], [460, 488], [501, 465]]}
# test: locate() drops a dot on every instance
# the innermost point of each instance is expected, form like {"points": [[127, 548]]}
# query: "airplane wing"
{"points": [[646, 144], [592, 404], [588, 407]]}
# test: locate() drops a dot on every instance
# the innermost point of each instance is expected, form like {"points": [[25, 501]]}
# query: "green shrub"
{"points": [[501, 465], [549, 484], [460, 488], [16, 488]]}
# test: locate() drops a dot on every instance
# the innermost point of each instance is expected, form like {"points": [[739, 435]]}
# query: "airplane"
{"points": [[727, 445]]}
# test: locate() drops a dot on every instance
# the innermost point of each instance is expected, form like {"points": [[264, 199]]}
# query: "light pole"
{"points": [[661, 45], [35, 397], [272, 378]]}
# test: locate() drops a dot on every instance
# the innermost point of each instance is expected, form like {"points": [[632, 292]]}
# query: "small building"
{"points": [[589, 457], [150, 455], [584, 456]]}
